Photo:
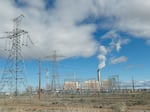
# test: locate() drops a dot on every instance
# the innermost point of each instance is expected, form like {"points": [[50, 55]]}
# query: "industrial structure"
{"points": [[55, 77], [99, 78], [91, 85], [13, 78], [71, 85]]}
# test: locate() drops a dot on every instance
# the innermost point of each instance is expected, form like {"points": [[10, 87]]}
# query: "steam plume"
{"points": [[102, 57]]}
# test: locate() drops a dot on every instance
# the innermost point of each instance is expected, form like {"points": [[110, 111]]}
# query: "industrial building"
{"points": [[92, 85], [71, 85]]}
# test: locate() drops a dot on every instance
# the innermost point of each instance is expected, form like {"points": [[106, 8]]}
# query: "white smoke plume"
{"points": [[116, 44], [102, 57], [116, 40]]}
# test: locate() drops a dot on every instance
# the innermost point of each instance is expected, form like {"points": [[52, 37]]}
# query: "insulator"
{"points": [[5, 44], [23, 40], [9, 45]]}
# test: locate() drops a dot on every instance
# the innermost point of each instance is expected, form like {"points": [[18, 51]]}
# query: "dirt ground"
{"points": [[105, 102]]}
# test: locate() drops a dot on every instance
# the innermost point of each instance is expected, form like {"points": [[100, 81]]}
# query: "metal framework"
{"points": [[14, 71], [54, 80]]}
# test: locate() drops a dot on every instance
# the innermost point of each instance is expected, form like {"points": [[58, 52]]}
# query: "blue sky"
{"points": [[91, 35]]}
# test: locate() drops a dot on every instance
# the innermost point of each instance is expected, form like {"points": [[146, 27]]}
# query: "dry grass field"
{"points": [[104, 102]]}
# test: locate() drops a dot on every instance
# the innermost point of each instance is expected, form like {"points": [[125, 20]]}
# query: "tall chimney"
{"points": [[99, 76]]}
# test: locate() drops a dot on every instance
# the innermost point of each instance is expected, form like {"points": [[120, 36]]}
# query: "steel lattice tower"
{"points": [[13, 78], [54, 81]]}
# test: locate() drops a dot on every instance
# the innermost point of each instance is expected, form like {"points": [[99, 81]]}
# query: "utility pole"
{"points": [[39, 91], [14, 70], [133, 86], [47, 80]]}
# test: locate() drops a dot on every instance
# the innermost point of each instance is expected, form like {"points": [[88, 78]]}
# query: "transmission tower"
{"points": [[54, 80], [13, 77]]}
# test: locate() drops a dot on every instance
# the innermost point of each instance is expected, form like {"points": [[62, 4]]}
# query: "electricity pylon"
{"points": [[14, 71], [54, 81]]}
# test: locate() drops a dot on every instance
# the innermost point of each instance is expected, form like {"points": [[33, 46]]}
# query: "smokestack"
{"points": [[99, 76]]}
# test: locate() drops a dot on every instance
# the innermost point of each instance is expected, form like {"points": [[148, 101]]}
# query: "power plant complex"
{"points": [[13, 78]]}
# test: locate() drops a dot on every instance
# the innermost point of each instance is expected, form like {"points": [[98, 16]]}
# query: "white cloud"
{"points": [[110, 34], [55, 29], [116, 40], [121, 42], [132, 16], [118, 60]]}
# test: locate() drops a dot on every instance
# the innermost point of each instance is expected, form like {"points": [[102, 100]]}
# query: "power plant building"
{"points": [[68, 85], [106, 85], [91, 85]]}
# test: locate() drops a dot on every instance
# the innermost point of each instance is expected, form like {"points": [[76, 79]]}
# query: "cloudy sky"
{"points": [[113, 35]]}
